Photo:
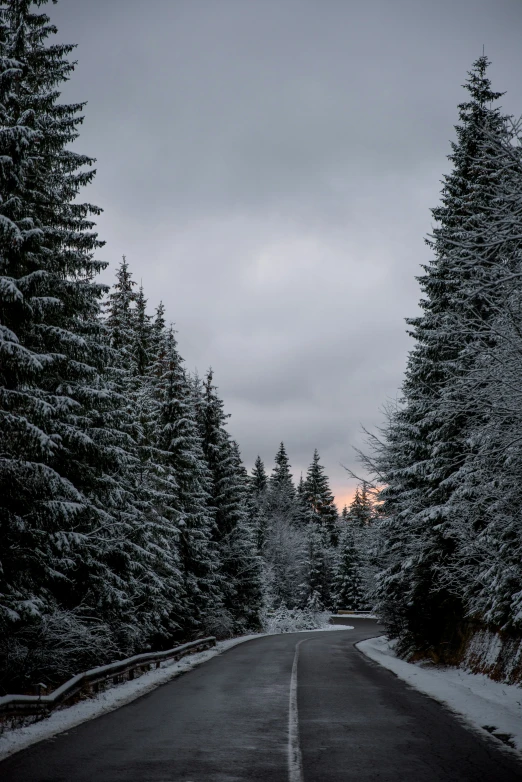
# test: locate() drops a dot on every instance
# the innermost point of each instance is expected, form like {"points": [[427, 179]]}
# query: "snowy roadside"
{"points": [[355, 616], [12, 741], [491, 707]]}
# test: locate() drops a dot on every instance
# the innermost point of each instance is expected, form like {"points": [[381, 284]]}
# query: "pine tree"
{"points": [[258, 479], [485, 497], [120, 307], [281, 477], [320, 567], [360, 512], [60, 448], [243, 550], [143, 335], [321, 500], [257, 499], [239, 563], [189, 485], [347, 585], [426, 441]]}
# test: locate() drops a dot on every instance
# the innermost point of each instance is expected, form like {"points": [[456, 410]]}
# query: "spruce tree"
{"points": [[142, 336], [426, 441], [347, 584], [485, 499], [258, 478], [281, 490], [281, 476], [120, 306], [320, 568], [257, 497], [188, 485], [239, 564], [360, 512], [60, 444], [320, 500]]}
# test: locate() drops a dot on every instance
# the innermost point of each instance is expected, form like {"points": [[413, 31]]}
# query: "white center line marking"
{"points": [[295, 760]]}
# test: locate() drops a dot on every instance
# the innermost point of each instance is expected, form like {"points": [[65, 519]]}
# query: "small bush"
{"points": [[292, 620]]}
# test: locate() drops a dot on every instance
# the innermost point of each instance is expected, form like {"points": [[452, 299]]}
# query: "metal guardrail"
{"points": [[20, 705]]}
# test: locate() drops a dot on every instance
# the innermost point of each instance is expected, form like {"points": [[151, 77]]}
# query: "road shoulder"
{"points": [[492, 708]]}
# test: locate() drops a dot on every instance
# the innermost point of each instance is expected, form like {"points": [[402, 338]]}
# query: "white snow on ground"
{"points": [[12, 741], [475, 697], [324, 629]]}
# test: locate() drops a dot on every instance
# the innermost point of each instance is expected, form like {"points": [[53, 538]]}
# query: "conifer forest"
{"points": [[128, 521]]}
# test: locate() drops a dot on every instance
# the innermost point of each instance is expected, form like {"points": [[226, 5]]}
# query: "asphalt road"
{"points": [[259, 712]]}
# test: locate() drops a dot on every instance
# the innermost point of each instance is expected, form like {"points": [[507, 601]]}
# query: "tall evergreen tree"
{"points": [[321, 500], [360, 512], [189, 486], [281, 489], [257, 500], [239, 563], [142, 336], [426, 442], [258, 479], [61, 454], [281, 476], [318, 586], [120, 307], [347, 584]]}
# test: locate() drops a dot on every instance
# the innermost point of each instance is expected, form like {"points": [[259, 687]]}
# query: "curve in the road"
{"points": [[228, 721]]}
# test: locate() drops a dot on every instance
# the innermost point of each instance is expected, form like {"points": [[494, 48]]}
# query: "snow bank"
{"points": [[489, 706], [12, 741], [354, 616]]}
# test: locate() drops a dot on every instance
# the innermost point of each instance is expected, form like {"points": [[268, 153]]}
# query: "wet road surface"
{"points": [[304, 707]]}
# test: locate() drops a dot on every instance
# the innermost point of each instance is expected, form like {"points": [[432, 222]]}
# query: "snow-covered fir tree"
{"points": [[281, 489], [119, 306], [427, 440], [188, 485], [240, 567], [320, 500], [284, 552], [484, 502], [347, 583], [361, 511], [59, 439], [257, 502], [318, 584]]}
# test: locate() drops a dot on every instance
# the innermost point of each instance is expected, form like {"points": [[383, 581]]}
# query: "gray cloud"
{"points": [[268, 169]]}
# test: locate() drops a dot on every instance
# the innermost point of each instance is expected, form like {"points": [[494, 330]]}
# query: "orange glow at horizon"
{"points": [[343, 497]]}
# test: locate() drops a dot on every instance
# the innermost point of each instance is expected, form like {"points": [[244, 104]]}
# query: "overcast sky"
{"points": [[268, 168]]}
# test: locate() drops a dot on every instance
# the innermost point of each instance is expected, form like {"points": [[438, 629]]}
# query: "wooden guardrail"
{"points": [[20, 705]]}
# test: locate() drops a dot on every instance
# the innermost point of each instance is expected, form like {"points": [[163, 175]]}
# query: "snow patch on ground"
{"points": [[12, 741], [327, 627], [490, 706]]}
